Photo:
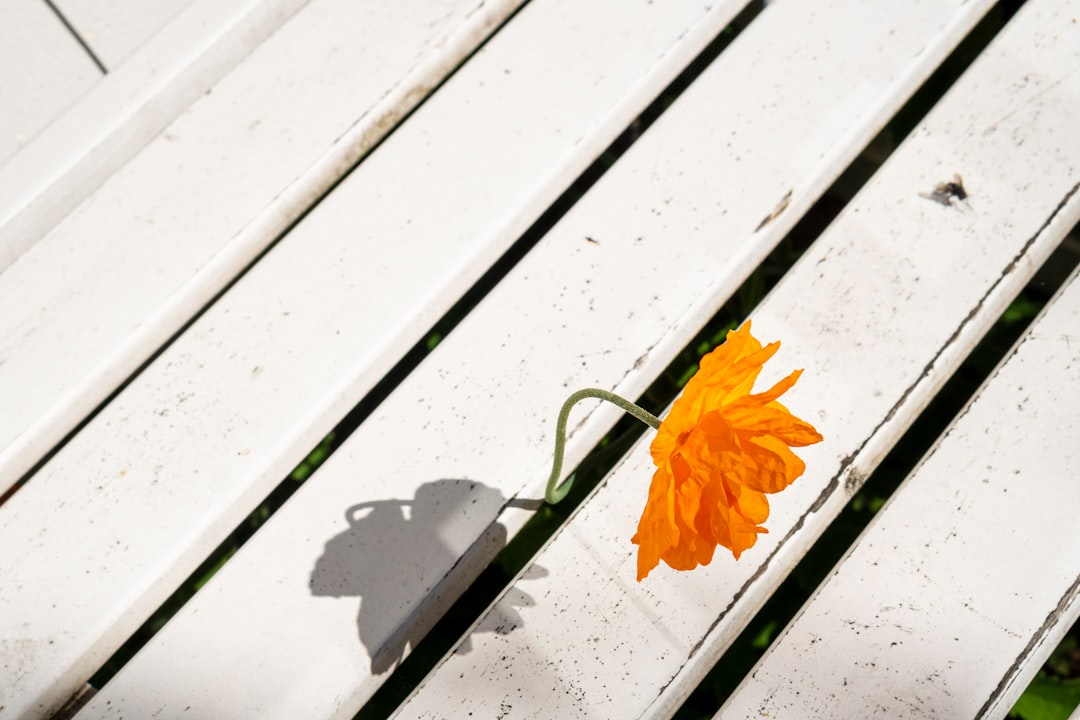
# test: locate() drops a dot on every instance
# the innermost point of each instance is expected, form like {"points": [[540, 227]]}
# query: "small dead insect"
{"points": [[946, 192], [593, 240]]}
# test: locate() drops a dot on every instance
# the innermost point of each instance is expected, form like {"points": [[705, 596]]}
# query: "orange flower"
{"points": [[717, 453]]}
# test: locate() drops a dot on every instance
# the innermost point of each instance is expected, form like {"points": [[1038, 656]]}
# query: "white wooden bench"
{"points": [[172, 347], [122, 69]]}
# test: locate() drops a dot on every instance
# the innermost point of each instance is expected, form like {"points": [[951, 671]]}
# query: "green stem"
{"points": [[554, 493]]}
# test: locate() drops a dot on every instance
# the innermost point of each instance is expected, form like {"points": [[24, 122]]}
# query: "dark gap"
{"points": [[410, 359], [524, 546], [1054, 692], [751, 644], [77, 36], [242, 272]]}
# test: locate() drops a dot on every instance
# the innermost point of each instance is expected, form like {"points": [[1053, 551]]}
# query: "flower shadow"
{"points": [[394, 550]]}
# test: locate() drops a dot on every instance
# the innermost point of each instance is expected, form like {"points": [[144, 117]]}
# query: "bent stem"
{"points": [[554, 493]]}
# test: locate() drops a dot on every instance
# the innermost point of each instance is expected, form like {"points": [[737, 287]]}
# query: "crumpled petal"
{"points": [[718, 452]]}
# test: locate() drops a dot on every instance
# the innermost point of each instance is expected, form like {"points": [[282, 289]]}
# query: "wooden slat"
{"points": [[470, 427], [879, 313], [133, 263], [43, 69], [106, 126], [957, 593], [115, 28], [195, 442]]}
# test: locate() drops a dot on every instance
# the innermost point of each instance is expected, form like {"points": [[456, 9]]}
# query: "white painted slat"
{"points": [[471, 426], [879, 312], [115, 28], [106, 126], [43, 69], [131, 265], [198, 438], [956, 594]]}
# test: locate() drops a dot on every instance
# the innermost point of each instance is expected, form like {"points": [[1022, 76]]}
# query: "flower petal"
{"points": [[718, 452], [656, 529], [768, 465], [775, 421], [725, 377]]}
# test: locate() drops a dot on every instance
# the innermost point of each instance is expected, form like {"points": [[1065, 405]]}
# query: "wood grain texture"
{"points": [[43, 70], [144, 253], [117, 116], [115, 28]]}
